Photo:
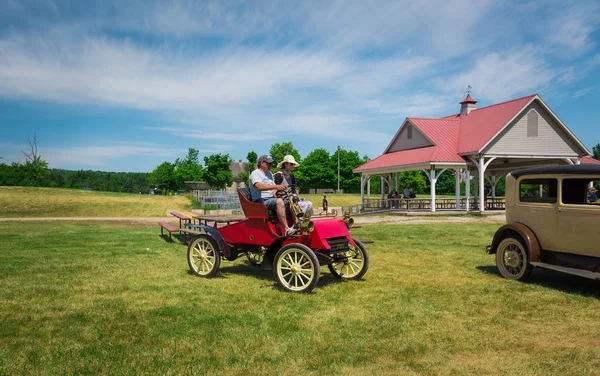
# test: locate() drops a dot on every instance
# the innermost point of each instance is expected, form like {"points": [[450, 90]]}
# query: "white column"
{"points": [[382, 188], [369, 187], [432, 180], [481, 184], [457, 188], [362, 191], [396, 181], [468, 189]]}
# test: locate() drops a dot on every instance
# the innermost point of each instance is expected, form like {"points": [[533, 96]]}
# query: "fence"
{"points": [[374, 205], [222, 199]]}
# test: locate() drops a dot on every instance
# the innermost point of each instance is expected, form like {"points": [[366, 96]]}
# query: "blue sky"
{"points": [[123, 86]]}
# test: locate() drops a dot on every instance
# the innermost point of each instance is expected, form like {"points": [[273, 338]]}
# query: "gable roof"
{"points": [[454, 136], [482, 124]]}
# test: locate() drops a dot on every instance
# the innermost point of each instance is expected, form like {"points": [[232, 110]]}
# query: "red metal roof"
{"points": [[400, 158], [588, 160], [444, 135], [480, 125], [468, 99], [454, 135]]}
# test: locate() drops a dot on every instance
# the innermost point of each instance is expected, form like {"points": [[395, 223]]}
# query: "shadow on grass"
{"points": [[258, 272], [166, 238], [568, 283]]}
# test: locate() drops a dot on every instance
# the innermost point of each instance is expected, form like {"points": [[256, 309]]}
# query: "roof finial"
{"points": [[469, 89]]}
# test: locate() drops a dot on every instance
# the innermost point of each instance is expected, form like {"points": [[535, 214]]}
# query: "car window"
{"points": [[538, 190]]}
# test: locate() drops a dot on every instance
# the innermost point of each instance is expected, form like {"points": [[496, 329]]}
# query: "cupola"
{"points": [[467, 105]]}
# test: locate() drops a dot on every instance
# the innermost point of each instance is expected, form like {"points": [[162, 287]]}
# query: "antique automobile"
{"points": [[295, 260], [552, 222]]}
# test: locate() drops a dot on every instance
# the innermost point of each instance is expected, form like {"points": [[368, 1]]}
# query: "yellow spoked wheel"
{"points": [[296, 268], [204, 257], [512, 260], [354, 266]]}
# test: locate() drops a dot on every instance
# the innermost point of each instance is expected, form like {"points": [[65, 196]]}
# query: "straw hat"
{"points": [[289, 159]]}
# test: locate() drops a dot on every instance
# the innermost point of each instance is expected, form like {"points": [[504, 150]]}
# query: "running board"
{"points": [[564, 269]]}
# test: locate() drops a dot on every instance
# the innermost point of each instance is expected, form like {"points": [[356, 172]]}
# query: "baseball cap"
{"points": [[264, 158]]}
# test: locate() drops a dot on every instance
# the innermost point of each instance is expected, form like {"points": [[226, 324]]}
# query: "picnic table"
{"points": [[216, 219]]}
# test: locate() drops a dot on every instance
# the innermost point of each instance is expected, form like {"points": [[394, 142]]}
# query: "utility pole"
{"points": [[338, 190]]}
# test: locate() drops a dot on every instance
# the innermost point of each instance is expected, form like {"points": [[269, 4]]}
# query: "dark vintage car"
{"points": [[552, 222]]}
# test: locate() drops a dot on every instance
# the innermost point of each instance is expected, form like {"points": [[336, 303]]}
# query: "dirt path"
{"points": [[367, 219]]}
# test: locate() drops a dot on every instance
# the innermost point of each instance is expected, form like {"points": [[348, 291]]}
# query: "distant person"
{"points": [[591, 196], [325, 204], [396, 200], [263, 188], [408, 193], [285, 177]]}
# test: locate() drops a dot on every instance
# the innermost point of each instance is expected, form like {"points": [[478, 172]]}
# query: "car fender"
{"points": [[223, 246], [531, 241]]}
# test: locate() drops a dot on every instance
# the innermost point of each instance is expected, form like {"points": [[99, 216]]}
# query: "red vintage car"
{"points": [[295, 261]]}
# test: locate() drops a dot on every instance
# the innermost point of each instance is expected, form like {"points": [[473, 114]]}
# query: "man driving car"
{"points": [[263, 188]]}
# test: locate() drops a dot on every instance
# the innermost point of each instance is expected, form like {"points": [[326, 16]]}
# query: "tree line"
{"points": [[318, 169]]}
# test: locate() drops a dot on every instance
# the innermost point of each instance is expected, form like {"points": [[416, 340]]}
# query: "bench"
{"points": [[169, 227], [182, 217], [186, 231]]}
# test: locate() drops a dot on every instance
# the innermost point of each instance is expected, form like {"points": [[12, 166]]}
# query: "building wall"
{"points": [[403, 143], [551, 140]]}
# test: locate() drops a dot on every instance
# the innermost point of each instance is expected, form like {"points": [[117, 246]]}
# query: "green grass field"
{"points": [[95, 298], [18, 202]]}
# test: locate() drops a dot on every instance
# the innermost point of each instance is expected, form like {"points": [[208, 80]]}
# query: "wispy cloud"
{"points": [[501, 76], [582, 92], [214, 71]]}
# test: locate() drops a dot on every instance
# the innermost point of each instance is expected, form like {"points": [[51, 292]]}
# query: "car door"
{"points": [[537, 207], [578, 219]]}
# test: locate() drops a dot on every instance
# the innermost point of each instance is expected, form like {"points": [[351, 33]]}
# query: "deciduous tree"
{"points": [[217, 173], [163, 177], [596, 152], [316, 170], [188, 169], [280, 150]]}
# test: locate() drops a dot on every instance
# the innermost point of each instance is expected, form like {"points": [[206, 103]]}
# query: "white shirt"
{"points": [[258, 176]]}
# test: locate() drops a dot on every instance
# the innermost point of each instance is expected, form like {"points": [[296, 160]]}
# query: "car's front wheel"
{"points": [[296, 268], [512, 259], [354, 265]]}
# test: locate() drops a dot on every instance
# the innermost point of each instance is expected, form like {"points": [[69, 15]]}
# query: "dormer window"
{"points": [[532, 124], [409, 132]]}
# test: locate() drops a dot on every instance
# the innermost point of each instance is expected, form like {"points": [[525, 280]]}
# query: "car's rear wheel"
{"points": [[354, 266], [296, 268], [204, 257], [512, 259], [255, 256]]}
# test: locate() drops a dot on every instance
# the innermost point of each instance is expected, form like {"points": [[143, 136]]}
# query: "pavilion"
{"points": [[488, 142]]}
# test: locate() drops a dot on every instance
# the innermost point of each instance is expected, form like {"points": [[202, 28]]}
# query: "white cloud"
{"points": [[100, 155], [205, 134], [120, 73], [502, 76], [582, 92]]}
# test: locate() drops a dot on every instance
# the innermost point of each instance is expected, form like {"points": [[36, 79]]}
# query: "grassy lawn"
{"points": [[334, 199], [52, 202], [93, 298]]}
